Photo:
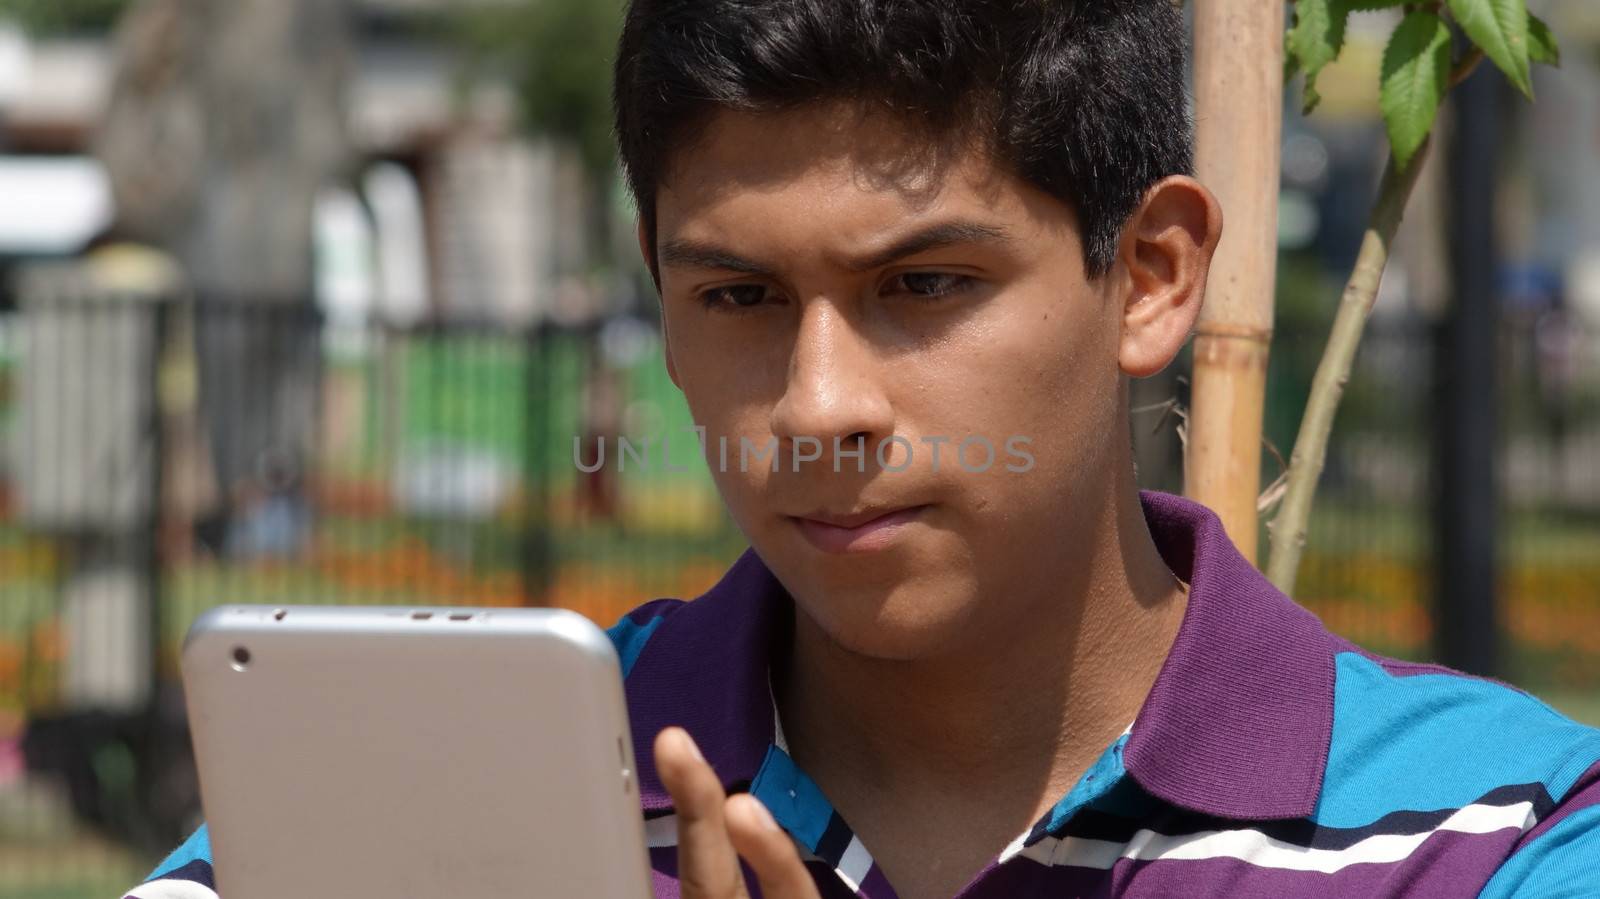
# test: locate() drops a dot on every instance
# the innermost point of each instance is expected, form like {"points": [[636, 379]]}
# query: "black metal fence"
{"points": [[163, 456]]}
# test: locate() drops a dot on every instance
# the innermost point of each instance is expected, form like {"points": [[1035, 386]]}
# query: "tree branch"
{"points": [[1465, 67], [1288, 528]]}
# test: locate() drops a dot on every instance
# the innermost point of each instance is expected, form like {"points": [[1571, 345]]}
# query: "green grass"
{"points": [[77, 867]]}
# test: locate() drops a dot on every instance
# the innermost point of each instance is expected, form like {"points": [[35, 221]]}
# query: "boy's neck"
{"points": [[1013, 717]]}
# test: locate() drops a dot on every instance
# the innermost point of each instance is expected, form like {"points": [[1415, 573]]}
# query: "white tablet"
{"points": [[386, 752]]}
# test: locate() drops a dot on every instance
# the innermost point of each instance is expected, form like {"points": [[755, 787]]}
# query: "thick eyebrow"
{"points": [[933, 237], [693, 254]]}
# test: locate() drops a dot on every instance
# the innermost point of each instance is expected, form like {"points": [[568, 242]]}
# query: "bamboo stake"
{"points": [[1238, 74]]}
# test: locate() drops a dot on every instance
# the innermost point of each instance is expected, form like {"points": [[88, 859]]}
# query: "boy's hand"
{"points": [[716, 830]]}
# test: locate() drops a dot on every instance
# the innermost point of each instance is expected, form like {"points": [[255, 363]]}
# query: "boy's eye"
{"points": [[929, 284], [734, 297]]}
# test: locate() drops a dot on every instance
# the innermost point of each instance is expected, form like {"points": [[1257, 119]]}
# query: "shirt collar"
{"points": [[1237, 724], [705, 669]]}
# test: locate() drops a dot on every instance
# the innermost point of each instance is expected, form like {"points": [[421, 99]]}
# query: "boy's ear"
{"points": [[1166, 251], [649, 254]]}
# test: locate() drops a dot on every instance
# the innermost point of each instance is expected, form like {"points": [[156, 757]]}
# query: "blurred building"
{"points": [[503, 216]]}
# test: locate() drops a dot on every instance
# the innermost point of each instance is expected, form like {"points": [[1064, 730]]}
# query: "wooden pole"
{"points": [[1238, 85]]}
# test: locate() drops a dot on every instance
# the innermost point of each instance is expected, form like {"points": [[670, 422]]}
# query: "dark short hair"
{"points": [[1084, 99]]}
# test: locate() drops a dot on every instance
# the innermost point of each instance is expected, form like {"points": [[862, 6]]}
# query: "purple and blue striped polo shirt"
{"points": [[1271, 759]]}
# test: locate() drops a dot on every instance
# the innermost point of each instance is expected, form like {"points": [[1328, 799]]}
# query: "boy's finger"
{"points": [[708, 867], [768, 850]]}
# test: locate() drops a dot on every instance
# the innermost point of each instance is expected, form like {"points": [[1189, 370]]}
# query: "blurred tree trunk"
{"points": [[226, 118]]}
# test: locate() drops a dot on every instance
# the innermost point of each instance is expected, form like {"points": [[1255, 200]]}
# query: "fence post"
{"points": [[1466, 360], [537, 556], [155, 437]]}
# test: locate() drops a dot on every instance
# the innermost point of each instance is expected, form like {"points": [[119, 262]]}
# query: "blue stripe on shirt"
{"points": [[196, 848], [1560, 863], [793, 798], [1470, 735], [629, 637]]}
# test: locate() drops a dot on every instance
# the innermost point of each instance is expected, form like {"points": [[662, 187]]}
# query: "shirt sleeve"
{"points": [[185, 874], [1559, 858]]}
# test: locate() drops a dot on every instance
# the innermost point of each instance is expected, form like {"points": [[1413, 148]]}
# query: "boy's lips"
{"points": [[862, 531]]}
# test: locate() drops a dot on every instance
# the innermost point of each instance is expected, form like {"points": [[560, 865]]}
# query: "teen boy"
{"points": [[879, 228]]}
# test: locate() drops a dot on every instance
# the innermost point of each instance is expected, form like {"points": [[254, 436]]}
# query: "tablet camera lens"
{"points": [[241, 658]]}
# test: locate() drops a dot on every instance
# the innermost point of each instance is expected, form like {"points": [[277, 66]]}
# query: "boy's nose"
{"points": [[833, 389]]}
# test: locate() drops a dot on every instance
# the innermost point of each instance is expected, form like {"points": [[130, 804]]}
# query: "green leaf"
{"points": [[1291, 67], [1416, 74], [1317, 37], [1542, 46], [1500, 29], [1314, 41]]}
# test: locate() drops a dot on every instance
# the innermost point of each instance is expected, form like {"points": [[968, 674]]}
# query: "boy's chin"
{"points": [[906, 624]]}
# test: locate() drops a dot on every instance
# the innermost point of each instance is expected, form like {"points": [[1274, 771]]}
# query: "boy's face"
{"points": [[817, 283]]}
